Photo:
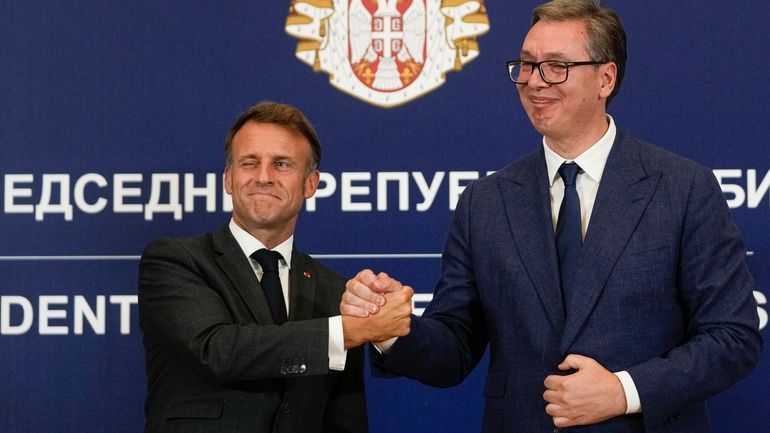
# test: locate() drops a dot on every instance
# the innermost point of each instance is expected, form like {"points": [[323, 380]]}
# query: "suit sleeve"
{"points": [[185, 310], [714, 290], [346, 409], [446, 343]]}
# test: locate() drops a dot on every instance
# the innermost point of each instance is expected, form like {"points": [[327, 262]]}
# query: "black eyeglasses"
{"points": [[551, 71]]}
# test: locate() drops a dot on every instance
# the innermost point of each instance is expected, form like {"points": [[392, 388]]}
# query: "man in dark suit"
{"points": [[241, 329], [627, 326]]}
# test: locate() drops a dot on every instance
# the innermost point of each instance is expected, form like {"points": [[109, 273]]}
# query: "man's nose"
{"points": [[264, 173], [536, 79]]}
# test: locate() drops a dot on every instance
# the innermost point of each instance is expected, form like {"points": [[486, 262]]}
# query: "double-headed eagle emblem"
{"points": [[387, 52]]}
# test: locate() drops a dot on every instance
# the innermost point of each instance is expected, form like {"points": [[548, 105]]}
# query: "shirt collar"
{"points": [[249, 244], [592, 161]]}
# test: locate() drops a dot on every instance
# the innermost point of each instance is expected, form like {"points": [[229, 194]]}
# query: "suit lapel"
{"points": [[236, 266], [526, 198], [302, 291], [624, 193]]}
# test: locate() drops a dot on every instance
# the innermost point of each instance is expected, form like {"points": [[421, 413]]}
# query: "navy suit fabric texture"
{"points": [[217, 362], [662, 291]]}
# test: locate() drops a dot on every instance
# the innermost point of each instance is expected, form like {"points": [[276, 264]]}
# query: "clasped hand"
{"points": [[589, 395], [375, 308]]}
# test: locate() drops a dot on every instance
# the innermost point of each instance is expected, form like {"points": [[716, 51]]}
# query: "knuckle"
{"points": [[354, 291], [345, 298]]}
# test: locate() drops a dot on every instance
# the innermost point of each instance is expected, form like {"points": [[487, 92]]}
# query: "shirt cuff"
{"points": [[337, 352], [384, 346], [633, 405]]}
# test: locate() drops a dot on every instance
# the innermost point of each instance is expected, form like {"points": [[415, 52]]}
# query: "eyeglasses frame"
{"points": [[540, 70]]}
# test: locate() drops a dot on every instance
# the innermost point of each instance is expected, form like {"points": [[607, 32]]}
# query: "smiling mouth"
{"points": [[541, 101], [263, 194]]}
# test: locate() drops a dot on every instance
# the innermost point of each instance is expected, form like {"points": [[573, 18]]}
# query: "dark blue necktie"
{"points": [[271, 283], [569, 238]]}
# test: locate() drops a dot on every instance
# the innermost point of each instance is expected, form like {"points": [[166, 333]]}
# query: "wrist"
{"points": [[351, 332]]}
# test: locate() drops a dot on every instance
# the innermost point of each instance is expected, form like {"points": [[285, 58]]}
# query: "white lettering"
{"points": [[120, 191], [738, 194], [125, 302], [45, 313], [209, 191], [348, 191], [173, 205], [82, 310], [49, 311], [63, 206], [382, 189], [6, 327], [80, 193], [756, 193], [12, 192], [761, 300], [354, 187], [429, 192]]}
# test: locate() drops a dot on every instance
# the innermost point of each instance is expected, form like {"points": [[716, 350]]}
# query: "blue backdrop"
{"points": [[112, 120]]}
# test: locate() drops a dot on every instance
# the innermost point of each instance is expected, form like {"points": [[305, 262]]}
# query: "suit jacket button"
{"points": [[285, 408]]}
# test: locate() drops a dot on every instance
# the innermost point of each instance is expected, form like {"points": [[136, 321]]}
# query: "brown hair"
{"points": [[606, 37], [279, 114]]}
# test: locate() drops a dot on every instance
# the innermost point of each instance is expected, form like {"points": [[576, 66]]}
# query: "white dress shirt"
{"points": [[249, 244], [591, 163]]}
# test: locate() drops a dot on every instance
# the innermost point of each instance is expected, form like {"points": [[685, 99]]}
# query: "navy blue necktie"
{"points": [[271, 283], [569, 238]]}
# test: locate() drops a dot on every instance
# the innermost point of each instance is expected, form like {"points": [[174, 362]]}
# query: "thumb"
{"points": [[573, 362]]}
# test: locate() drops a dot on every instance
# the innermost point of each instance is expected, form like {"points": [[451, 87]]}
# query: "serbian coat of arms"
{"points": [[387, 52]]}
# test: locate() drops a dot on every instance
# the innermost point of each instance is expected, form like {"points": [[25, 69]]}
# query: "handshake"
{"points": [[375, 308]]}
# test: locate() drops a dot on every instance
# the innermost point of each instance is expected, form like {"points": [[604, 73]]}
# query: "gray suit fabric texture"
{"points": [[215, 361]]}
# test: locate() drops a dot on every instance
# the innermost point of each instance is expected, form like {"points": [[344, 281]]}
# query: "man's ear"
{"points": [[311, 183], [228, 178], [609, 76]]}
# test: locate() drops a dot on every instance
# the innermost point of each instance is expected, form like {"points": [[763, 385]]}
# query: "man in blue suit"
{"points": [[627, 326]]}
